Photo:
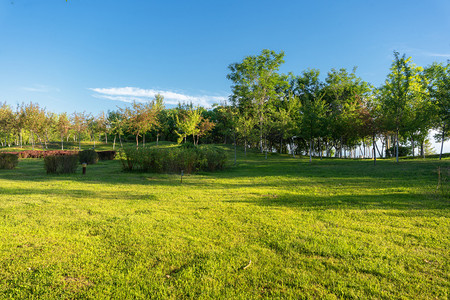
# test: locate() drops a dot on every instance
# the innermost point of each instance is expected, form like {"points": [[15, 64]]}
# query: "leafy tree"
{"points": [[63, 126], [344, 92], [117, 123], [161, 118], [254, 85], [188, 124], [7, 122], [141, 118], [80, 124], [244, 127], [313, 107], [34, 120], [438, 86], [398, 94]]}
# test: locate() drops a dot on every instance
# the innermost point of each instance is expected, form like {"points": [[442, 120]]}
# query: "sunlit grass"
{"points": [[275, 228]]}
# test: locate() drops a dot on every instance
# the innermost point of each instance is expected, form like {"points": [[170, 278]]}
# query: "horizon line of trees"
{"points": [[299, 114]]}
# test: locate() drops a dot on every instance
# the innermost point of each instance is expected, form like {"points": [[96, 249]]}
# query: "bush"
{"points": [[106, 155], [41, 154], [8, 161], [61, 164], [402, 151], [203, 158], [88, 156]]}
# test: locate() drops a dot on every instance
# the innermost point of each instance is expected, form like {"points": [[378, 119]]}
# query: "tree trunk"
{"points": [[261, 138], [79, 142], [106, 138], [442, 142], [310, 150], [374, 153], [265, 146], [320, 149], [137, 140], [62, 142], [235, 150], [396, 145], [114, 143], [32, 140], [376, 147], [157, 139], [120, 140], [281, 145], [245, 147]]}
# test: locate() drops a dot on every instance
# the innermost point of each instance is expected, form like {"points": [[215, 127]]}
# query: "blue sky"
{"points": [[95, 55]]}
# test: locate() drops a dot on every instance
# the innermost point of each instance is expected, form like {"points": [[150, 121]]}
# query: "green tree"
{"points": [[80, 124], [63, 127], [188, 124], [254, 86], [117, 123], [438, 86], [398, 95]]}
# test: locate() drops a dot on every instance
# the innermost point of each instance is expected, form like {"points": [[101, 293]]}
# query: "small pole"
{"points": [[84, 168], [182, 173]]}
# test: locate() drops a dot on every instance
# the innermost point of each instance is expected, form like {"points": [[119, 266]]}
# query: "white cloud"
{"points": [[130, 94], [39, 88], [437, 54]]}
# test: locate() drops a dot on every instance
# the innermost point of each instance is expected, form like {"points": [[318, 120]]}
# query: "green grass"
{"points": [[330, 229]]}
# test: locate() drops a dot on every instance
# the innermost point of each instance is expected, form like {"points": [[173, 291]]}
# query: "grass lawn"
{"points": [[275, 228]]}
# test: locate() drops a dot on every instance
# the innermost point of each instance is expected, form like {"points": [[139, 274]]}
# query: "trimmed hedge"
{"points": [[88, 156], [8, 161], [106, 155], [402, 151], [40, 153], [61, 164], [159, 160]]}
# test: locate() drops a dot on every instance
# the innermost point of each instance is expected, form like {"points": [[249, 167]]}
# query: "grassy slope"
{"points": [[333, 228]]}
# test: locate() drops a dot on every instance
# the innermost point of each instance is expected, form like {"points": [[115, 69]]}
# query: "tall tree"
{"points": [[398, 94], [254, 85], [438, 76], [63, 127], [80, 124]]}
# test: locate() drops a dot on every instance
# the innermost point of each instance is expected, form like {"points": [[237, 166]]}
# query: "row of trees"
{"points": [[342, 112], [31, 124], [270, 111]]}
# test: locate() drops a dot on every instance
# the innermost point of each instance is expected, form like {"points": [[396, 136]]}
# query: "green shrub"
{"points": [[61, 164], [106, 155], [160, 160], [8, 161], [88, 156], [402, 151]]}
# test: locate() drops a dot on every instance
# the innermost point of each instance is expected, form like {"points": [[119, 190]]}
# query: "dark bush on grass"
{"points": [[106, 155], [88, 156], [61, 164], [41, 154], [159, 160], [402, 151], [8, 161]]}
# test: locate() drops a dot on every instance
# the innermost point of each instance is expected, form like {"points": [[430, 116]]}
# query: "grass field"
{"points": [[275, 228]]}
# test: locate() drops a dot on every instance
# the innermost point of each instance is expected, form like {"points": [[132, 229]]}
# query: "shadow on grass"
{"points": [[394, 201], [279, 173]]}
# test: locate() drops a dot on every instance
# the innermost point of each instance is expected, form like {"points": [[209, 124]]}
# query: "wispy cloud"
{"points": [[39, 88], [446, 55], [422, 52], [130, 94]]}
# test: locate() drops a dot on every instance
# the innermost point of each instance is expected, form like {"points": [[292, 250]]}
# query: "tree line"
{"points": [[340, 116]]}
